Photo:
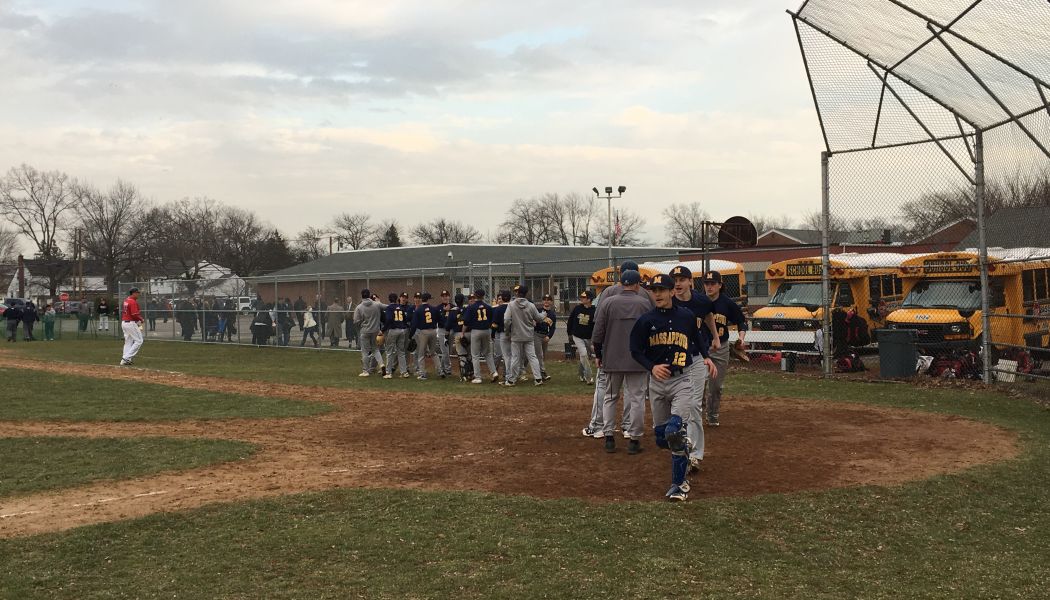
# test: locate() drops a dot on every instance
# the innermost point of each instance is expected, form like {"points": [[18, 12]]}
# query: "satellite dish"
{"points": [[737, 232]]}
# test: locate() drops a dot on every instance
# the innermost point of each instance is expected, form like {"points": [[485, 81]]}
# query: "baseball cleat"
{"points": [[364, 374], [684, 486], [405, 375], [422, 377], [694, 464], [676, 494], [495, 377], [610, 444], [634, 447], [476, 380], [509, 384], [539, 382], [388, 376], [712, 421]]}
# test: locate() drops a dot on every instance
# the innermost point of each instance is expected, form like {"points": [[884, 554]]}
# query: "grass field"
{"points": [[983, 533]]}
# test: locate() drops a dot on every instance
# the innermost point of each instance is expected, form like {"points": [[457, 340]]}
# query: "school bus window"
{"points": [[998, 293], [875, 288], [844, 297], [1028, 283], [898, 286], [1040, 283]]}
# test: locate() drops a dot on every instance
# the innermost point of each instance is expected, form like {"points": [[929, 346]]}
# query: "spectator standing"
{"points": [[103, 315], [309, 327], [29, 318], [14, 318], [368, 320], [151, 314], [49, 323], [334, 324], [580, 327]]}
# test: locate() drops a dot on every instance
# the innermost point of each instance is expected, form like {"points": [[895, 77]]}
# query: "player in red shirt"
{"points": [[131, 323]]}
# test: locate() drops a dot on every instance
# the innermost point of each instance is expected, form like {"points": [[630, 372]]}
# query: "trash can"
{"points": [[898, 354]]}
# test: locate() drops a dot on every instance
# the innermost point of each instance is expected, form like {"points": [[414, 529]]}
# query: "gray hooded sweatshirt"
{"points": [[521, 319], [368, 315]]}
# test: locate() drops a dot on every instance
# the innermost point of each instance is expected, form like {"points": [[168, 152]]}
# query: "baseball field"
{"points": [[236, 472]]}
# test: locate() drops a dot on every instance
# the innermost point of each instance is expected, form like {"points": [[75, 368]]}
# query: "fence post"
{"points": [[490, 291], [521, 278], [825, 259], [470, 275], [986, 342], [422, 279]]}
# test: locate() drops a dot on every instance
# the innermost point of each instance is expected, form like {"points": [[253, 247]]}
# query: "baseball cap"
{"points": [[548, 297], [404, 295], [681, 271], [445, 293], [460, 298], [392, 297], [133, 290], [661, 281], [479, 293], [630, 277], [586, 294], [628, 265], [521, 290], [425, 296], [713, 277], [417, 295]]}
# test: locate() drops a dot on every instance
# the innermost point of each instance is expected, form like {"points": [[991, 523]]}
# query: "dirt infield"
{"points": [[516, 445]]}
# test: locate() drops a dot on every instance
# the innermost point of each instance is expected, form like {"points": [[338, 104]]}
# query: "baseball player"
{"points": [[499, 310], [520, 323], [426, 321], [131, 323], [612, 329], [725, 311], [395, 331], [663, 341], [457, 340], [544, 332], [596, 427], [580, 326], [477, 323], [686, 297], [444, 343], [367, 320]]}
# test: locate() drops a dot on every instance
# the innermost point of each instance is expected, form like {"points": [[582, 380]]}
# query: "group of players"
{"points": [[513, 331], [664, 341]]}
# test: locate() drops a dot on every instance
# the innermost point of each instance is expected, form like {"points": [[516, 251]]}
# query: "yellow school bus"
{"points": [[869, 283], [944, 302], [733, 281]]}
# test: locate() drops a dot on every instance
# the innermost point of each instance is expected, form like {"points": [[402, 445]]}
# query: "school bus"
{"points": [[871, 284], [944, 301], [733, 281]]}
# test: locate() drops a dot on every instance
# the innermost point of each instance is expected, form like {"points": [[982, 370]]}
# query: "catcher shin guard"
{"points": [[679, 466], [675, 435]]}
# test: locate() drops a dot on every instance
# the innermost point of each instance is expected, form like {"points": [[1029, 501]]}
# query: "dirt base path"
{"points": [[518, 445]]}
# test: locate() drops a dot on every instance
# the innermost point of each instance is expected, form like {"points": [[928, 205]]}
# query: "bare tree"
{"points": [[240, 242], [685, 225], [354, 230], [627, 229], [444, 231], [8, 246], [565, 220], [37, 203], [579, 219], [525, 223], [387, 235], [764, 223], [310, 244], [183, 236], [114, 227]]}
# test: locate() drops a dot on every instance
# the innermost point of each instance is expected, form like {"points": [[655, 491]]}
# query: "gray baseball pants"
{"points": [[521, 351], [583, 352], [503, 339], [445, 366], [633, 386], [396, 345], [697, 373], [481, 348], [371, 356], [713, 398], [671, 396], [601, 386], [541, 350], [427, 339]]}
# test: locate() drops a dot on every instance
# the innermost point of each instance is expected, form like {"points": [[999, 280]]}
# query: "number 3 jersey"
{"points": [[666, 336]]}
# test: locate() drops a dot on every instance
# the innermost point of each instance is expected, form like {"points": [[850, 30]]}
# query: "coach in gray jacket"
{"points": [[519, 323], [367, 317], [612, 332]]}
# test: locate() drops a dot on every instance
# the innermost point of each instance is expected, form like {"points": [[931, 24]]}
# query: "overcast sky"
{"points": [[413, 109]]}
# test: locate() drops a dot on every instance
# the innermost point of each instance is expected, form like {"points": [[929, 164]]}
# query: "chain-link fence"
{"points": [[935, 119]]}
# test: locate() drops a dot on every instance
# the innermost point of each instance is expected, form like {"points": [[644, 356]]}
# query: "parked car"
{"points": [[11, 302], [69, 307]]}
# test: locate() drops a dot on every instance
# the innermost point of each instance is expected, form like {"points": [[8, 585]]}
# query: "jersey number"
{"points": [[429, 318], [679, 359], [483, 315], [399, 316]]}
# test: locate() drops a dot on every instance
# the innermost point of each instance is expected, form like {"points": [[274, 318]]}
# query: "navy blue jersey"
{"points": [[426, 317], [446, 309], [666, 336], [581, 321], [410, 310], [701, 306], [478, 316], [454, 320], [499, 314], [726, 312], [395, 317], [547, 326]]}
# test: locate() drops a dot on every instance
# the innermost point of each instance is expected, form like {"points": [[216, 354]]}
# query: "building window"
{"points": [[757, 285]]}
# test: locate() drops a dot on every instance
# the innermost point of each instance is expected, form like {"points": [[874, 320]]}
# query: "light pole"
{"points": [[609, 198]]}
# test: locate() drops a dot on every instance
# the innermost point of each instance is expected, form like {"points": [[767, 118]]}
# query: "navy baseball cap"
{"points": [[630, 277], [425, 296], [681, 271], [548, 297], [661, 281], [479, 293], [417, 295], [628, 265], [713, 277]]}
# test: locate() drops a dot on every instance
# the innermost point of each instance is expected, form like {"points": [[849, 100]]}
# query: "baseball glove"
{"points": [[411, 345], [736, 350], [380, 338]]}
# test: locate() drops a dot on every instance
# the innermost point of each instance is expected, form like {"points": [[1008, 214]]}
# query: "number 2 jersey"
{"points": [[666, 336]]}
